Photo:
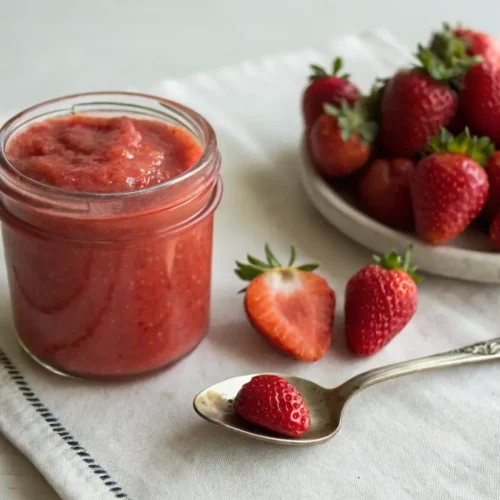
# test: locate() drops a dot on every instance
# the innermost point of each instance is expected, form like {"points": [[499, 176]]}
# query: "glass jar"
{"points": [[112, 284]]}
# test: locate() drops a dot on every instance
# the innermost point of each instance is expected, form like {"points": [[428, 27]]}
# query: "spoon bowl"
{"points": [[326, 406], [215, 404]]}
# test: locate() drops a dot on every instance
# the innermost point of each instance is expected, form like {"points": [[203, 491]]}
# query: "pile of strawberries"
{"points": [[420, 149]]}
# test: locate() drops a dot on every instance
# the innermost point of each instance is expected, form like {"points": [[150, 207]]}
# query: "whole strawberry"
{"points": [[495, 232], [340, 141], [384, 191], [272, 402], [449, 187], [291, 306], [480, 44], [492, 206], [418, 102], [326, 88], [380, 300], [453, 43], [479, 101]]}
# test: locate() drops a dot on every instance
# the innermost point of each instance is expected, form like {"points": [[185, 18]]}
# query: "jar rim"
{"points": [[17, 181]]}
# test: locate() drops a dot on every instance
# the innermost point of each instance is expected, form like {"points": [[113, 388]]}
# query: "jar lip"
{"points": [[14, 175]]}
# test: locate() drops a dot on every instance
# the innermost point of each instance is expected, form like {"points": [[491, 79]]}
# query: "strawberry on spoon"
{"points": [[291, 306], [271, 402]]}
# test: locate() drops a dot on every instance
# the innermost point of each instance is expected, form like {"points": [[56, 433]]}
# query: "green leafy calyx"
{"points": [[318, 72], [448, 46], [353, 119], [394, 260], [446, 59], [478, 149], [255, 267]]}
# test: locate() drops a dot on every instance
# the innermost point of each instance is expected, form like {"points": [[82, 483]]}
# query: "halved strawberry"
{"points": [[291, 306]]}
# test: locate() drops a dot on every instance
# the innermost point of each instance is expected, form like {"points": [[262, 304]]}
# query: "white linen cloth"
{"points": [[429, 436]]}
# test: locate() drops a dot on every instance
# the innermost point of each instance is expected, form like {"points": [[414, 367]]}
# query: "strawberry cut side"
{"points": [[294, 310], [292, 307]]}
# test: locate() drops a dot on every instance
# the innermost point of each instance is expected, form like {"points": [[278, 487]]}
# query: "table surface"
{"points": [[58, 47]]}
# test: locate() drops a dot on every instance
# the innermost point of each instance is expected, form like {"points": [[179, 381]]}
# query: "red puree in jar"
{"points": [[103, 155], [86, 304]]}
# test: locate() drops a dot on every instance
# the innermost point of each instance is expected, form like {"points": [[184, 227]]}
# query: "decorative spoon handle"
{"points": [[475, 353]]}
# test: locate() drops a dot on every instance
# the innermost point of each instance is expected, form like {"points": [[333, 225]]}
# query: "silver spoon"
{"points": [[215, 404]]}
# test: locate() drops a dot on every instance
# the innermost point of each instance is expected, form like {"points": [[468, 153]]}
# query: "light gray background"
{"points": [[54, 47]]}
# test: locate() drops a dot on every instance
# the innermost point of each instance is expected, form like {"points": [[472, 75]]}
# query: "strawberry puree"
{"points": [[84, 301], [102, 155]]}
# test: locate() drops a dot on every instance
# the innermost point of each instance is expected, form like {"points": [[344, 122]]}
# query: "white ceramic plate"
{"points": [[468, 257]]}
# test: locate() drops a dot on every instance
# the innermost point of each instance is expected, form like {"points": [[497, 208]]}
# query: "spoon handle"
{"points": [[475, 353]]}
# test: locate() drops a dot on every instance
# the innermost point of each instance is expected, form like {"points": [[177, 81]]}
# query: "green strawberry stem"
{"points": [[478, 149], [255, 267], [394, 260], [353, 120], [319, 72]]}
